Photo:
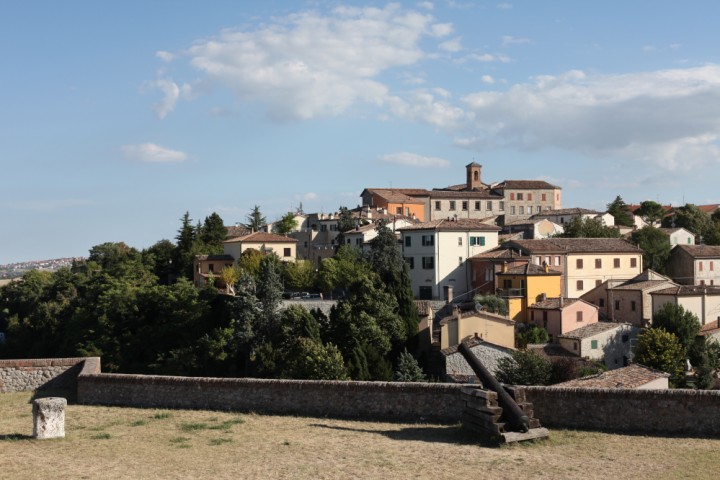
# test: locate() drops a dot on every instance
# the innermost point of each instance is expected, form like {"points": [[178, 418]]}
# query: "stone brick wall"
{"points": [[659, 412], [34, 374], [323, 305], [365, 400]]}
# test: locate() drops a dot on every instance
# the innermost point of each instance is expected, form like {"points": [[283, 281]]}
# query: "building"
{"points": [[628, 301], [496, 329], [284, 247], [702, 300], [679, 236], [583, 262], [532, 228], [635, 376], [523, 285], [410, 202], [206, 267], [456, 368], [486, 265], [566, 215], [437, 253], [562, 315], [609, 342], [695, 264]]}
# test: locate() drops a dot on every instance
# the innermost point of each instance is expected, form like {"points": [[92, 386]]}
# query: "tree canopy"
{"points": [[651, 212], [255, 219], [619, 209], [655, 246], [588, 228]]}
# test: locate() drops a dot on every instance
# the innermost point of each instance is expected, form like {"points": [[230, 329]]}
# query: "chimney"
{"points": [[504, 267], [560, 301], [543, 297]]}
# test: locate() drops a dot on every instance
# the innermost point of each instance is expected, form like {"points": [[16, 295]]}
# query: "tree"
{"points": [[651, 212], [690, 218], [530, 335], [300, 275], [492, 303], [269, 293], [159, 258], [588, 228], [255, 220], [286, 224], [661, 350], [678, 321], [186, 248], [655, 246], [212, 234], [408, 369], [249, 261], [229, 275], [524, 367], [346, 222], [618, 209]]}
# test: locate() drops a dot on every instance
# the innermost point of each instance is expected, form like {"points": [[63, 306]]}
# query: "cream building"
{"points": [[487, 326], [702, 300], [283, 247]]}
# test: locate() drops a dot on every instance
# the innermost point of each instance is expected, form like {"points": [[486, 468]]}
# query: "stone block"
{"points": [[49, 417]]}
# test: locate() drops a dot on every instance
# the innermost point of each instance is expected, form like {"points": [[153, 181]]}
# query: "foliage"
{"points": [[212, 234], [492, 303], [661, 350], [159, 258], [531, 334], [618, 209], [655, 246], [651, 212], [229, 275], [588, 228], [300, 275], [524, 367], [346, 222], [249, 261], [408, 369], [286, 224], [690, 218], [255, 219], [345, 268], [187, 247], [680, 322]]}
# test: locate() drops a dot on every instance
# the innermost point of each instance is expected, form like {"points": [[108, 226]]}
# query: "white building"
{"points": [[437, 253]]}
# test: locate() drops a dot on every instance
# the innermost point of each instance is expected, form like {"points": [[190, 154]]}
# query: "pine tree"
{"points": [[255, 219], [408, 369]]}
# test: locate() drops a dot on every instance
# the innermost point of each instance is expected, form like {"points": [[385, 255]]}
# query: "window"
{"points": [[411, 262], [532, 315], [452, 204], [460, 260], [529, 197], [598, 263], [632, 305], [712, 267], [512, 210], [211, 267], [407, 211], [545, 319], [557, 260], [348, 241], [286, 252], [460, 241], [512, 196], [594, 344], [633, 262], [408, 241], [501, 206], [507, 283], [437, 204], [519, 196], [574, 345], [538, 260], [579, 263], [601, 302], [579, 285], [522, 210], [480, 241], [578, 316], [477, 205], [333, 227], [700, 266], [488, 206], [398, 210], [428, 263], [617, 304], [616, 263], [428, 240], [323, 228], [547, 260], [305, 243], [358, 241], [543, 197], [464, 206]]}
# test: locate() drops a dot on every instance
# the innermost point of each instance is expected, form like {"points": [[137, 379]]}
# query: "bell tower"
{"points": [[474, 176]]}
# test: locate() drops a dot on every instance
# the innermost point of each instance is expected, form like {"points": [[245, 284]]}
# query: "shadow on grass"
{"points": [[13, 437], [455, 434]]}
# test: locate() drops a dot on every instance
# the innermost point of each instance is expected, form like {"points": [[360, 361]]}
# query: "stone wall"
{"points": [[33, 374], [655, 412], [323, 305], [366, 400]]}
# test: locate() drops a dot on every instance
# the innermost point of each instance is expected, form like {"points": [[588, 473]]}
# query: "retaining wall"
{"points": [[35, 374]]}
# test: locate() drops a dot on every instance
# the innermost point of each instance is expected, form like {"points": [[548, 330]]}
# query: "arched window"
{"points": [[476, 176]]}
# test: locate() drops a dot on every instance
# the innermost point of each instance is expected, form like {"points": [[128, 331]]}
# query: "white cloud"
{"points": [[504, 6], [451, 45], [487, 79], [165, 56], [423, 106], [150, 152], [426, 5], [414, 160], [510, 40], [668, 118], [489, 57], [309, 64], [648, 48], [172, 92]]}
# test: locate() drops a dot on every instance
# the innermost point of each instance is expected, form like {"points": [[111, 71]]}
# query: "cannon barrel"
{"points": [[515, 416]]}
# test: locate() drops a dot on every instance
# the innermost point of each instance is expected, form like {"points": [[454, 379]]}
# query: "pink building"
{"points": [[562, 315]]}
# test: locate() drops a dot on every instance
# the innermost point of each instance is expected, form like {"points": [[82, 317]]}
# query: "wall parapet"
{"points": [[23, 375]]}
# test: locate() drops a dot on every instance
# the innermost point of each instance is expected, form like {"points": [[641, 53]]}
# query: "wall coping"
{"points": [[615, 392]]}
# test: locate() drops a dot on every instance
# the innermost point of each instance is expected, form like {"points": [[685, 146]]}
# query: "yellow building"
{"points": [[489, 327], [284, 247], [526, 284]]}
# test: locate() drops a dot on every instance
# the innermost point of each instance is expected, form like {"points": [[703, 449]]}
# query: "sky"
{"points": [[118, 117]]}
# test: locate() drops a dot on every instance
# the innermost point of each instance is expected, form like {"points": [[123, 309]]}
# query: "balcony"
{"points": [[511, 292]]}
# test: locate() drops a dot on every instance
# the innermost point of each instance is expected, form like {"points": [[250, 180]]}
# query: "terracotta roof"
{"points": [[554, 303], [529, 269], [591, 330], [473, 164], [632, 376], [262, 237], [577, 245], [709, 329], [399, 195], [487, 194], [236, 231], [708, 208], [701, 251], [641, 285], [461, 224], [689, 290], [423, 307], [669, 231], [526, 185], [500, 254], [567, 211]]}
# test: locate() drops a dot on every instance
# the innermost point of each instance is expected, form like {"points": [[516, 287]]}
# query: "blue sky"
{"points": [[117, 117]]}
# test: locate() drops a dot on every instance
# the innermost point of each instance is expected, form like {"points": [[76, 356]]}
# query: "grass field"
{"points": [[103, 442]]}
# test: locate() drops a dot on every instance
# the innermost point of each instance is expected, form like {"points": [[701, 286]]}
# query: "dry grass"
{"points": [[135, 443]]}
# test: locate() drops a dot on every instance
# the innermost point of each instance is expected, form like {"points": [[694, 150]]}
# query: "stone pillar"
{"points": [[49, 417]]}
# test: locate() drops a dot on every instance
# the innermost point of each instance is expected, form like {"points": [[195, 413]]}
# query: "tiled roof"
{"points": [[473, 342], [701, 251], [529, 269], [669, 231], [577, 245], [461, 224], [501, 254], [487, 194], [423, 307], [567, 211], [647, 284], [554, 303], [236, 231], [710, 329], [689, 290], [708, 208], [591, 330], [632, 376], [526, 185], [262, 237], [399, 195]]}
